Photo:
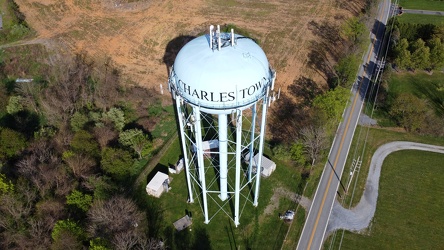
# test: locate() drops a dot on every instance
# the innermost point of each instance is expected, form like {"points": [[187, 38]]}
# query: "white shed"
{"points": [[158, 185], [207, 146], [268, 166], [176, 168]]}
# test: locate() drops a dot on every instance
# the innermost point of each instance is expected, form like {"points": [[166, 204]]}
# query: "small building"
{"points": [[183, 223], [176, 168], [207, 147], [268, 166], [158, 185]]}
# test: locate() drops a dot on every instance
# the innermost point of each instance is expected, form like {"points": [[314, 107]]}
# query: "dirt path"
{"points": [[153, 162], [359, 217]]}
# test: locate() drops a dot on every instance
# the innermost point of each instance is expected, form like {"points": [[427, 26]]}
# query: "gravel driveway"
{"points": [[359, 217]]}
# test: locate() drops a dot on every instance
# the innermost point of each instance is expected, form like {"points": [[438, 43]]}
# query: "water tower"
{"points": [[221, 84]]}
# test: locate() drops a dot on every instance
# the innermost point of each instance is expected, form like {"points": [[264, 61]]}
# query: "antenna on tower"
{"points": [[218, 37], [232, 37], [273, 80], [279, 93], [211, 36]]}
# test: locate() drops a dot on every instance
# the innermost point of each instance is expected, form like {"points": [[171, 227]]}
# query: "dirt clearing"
{"points": [[134, 35]]}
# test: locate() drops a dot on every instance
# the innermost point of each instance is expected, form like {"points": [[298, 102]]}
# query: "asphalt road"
{"points": [[424, 12], [315, 226]]}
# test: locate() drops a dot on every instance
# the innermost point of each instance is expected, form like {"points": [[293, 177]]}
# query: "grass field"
{"points": [[409, 212], [421, 19], [422, 4], [420, 84], [257, 230], [424, 86], [13, 28]]}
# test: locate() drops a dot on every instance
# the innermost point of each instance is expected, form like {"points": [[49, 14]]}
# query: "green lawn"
{"points": [[421, 19], [424, 86], [256, 230], [422, 4], [409, 212]]}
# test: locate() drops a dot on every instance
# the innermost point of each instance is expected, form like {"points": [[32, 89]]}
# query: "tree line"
{"points": [[416, 46], [70, 144]]}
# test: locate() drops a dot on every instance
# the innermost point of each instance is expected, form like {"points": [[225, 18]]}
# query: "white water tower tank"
{"points": [[221, 82]]}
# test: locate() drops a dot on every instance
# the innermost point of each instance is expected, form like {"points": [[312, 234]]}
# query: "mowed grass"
{"points": [[421, 19], [365, 142], [422, 4], [410, 208], [257, 230], [425, 86]]}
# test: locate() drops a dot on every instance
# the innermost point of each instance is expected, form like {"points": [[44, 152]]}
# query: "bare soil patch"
{"points": [[135, 34]]}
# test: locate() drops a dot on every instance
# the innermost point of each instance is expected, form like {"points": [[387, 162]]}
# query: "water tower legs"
{"points": [[223, 155], [200, 160], [184, 147], [261, 147], [238, 166], [252, 139]]}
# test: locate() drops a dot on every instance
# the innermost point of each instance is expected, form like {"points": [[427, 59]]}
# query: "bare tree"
{"points": [[81, 165], [45, 169], [72, 91], [105, 134], [131, 240], [116, 215], [30, 92], [125, 240], [50, 211], [39, 234], [314, 140]]}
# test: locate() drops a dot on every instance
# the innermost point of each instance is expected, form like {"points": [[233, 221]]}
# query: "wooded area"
{"points": [[69, 143], [417, 46]]}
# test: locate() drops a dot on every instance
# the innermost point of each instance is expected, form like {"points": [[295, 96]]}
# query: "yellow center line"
{"points": [[342, 142]]}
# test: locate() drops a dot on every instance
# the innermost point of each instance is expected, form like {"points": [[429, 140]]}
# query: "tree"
{"points": [[353, 29], [420, 55], [78, 121], [332, 103], [298, 153], [15, 105], [11, 143], [111, 217], [314, 140], [99, 244], [409, 111], [66, 225], [80, 200], [84, 142], [403, 58], [346, 70], [67, 234], [44, 168], [117, 162], [104, 134], [5, 184], [436, 53], [82, 165], [115, 115], [135, 139]]}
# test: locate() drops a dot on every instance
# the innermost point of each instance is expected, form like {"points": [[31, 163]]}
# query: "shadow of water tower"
{"points": [[221, 84]]}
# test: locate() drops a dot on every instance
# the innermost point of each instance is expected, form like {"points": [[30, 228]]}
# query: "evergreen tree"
{"points": [[403, 56], [436, 53], [420, 55]]}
